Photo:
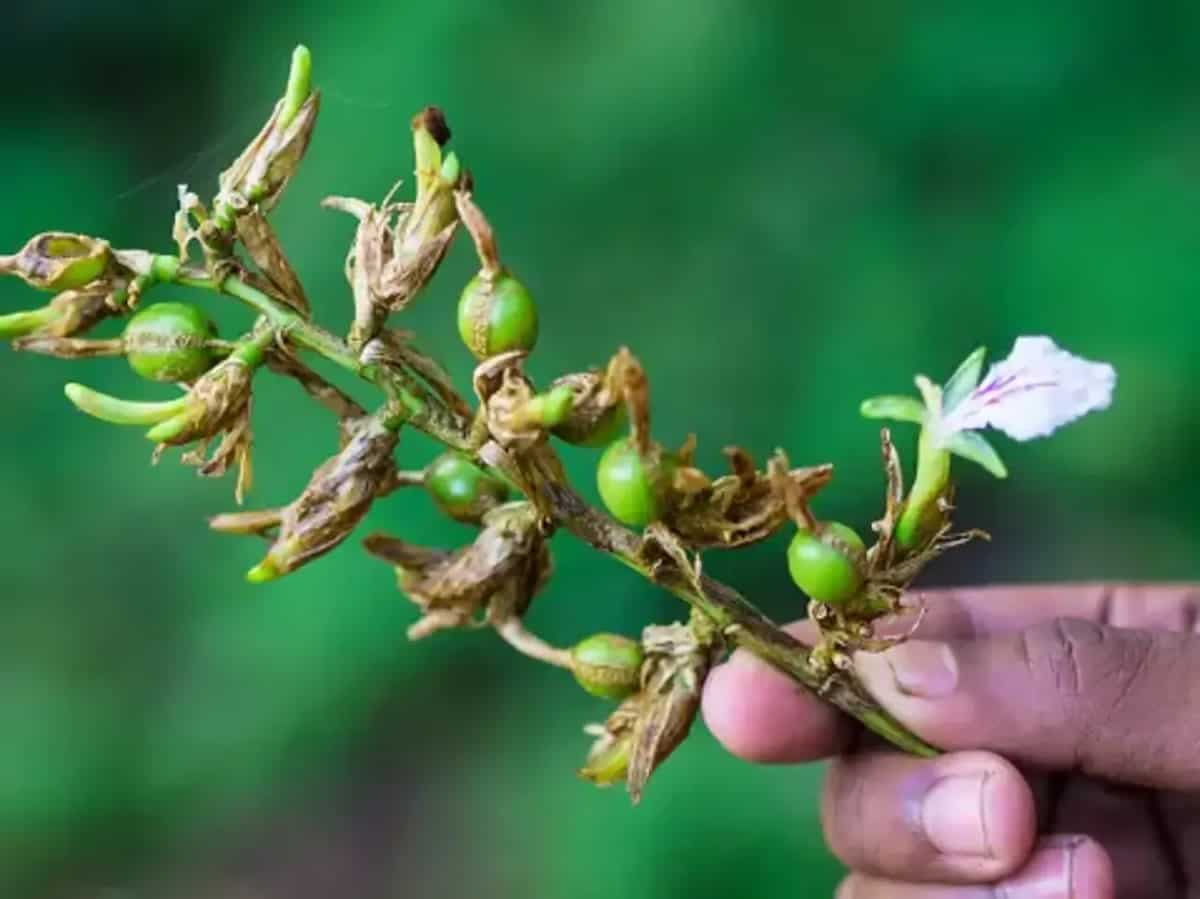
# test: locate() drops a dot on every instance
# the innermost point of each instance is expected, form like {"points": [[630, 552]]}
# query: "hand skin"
{"points": [[1071, 720]]}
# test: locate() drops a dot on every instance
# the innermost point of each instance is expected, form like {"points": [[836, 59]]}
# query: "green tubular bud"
{"points": [[299, 85], [824, 563], [170, 342], [123, 412], [172, 429], [463, 490], [597, 417], [263, 572], [58, 261], [451, 168], [632, 490], [430, 133], [922, 517], [20, 324], [609, 764], [497, 315], [607, 665], [551, 408]]}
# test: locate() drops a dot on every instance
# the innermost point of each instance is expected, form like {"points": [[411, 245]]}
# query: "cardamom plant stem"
{"points": [[743, 624]]}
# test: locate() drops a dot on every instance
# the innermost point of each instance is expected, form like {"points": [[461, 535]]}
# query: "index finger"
{"points": [[762, 715]]}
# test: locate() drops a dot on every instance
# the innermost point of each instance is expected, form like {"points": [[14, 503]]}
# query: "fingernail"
{"points": [[917, 668], [952, 816], [1048, 873]]}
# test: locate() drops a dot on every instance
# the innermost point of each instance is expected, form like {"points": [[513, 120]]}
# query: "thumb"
{"points": [[1065, 694]]}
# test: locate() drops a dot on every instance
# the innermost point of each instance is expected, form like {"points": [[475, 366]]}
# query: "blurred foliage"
{"points": [[782, 207]]}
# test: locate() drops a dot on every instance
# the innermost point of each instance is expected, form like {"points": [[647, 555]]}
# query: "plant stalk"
{"points": [[742, 624]]}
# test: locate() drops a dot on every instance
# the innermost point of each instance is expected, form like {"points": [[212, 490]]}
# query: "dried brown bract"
{"points": [[261, 173], [336, 500], [495, 577], [739, 508], [398, 246]]}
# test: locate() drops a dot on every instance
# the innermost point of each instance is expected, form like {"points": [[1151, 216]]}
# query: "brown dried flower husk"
{"points": [[488, 582], [261, 173], [737, 509], [338, 497]]}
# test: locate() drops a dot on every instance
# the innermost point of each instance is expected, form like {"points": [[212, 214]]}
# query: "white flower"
{"points": [[1036, 390]]}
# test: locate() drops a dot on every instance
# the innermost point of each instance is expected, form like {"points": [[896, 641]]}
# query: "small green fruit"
{"points": [[631, 489], [821, 562], [496, 316], [169, 342], [607, 665], [461, 489]]}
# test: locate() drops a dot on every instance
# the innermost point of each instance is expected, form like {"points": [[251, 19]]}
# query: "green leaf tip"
{"points": [[896, 408]]}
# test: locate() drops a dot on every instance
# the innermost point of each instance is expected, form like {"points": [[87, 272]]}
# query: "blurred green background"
{"points": [[783, 207]]}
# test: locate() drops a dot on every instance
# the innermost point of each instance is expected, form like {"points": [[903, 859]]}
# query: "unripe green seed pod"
{"points": [[822, 563], [607, 665], [496, 315], [631, 489], [461, 489], [169, 342]]}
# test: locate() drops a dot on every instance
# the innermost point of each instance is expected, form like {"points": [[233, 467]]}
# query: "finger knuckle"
{"points": [[1082, 659], [843, 806]]}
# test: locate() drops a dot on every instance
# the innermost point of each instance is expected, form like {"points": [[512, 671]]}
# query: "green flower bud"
{"points": [[299, 85], [597, 416], [634, 488], [922, 516], [262, 172], [170, 342], [608, 760], [59, 261], [607, 665], [20, 324], [218, 401], [825, 563], [463, 490], [496, 315], [123, 412]]}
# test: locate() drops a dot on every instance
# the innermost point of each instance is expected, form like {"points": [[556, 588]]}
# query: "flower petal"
{"points": [[897, 408], [1036, 390], [963, 381], [973, 446]]}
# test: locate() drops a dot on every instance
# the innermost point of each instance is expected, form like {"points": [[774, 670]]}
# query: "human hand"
{"points": [[1071, 720]]}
